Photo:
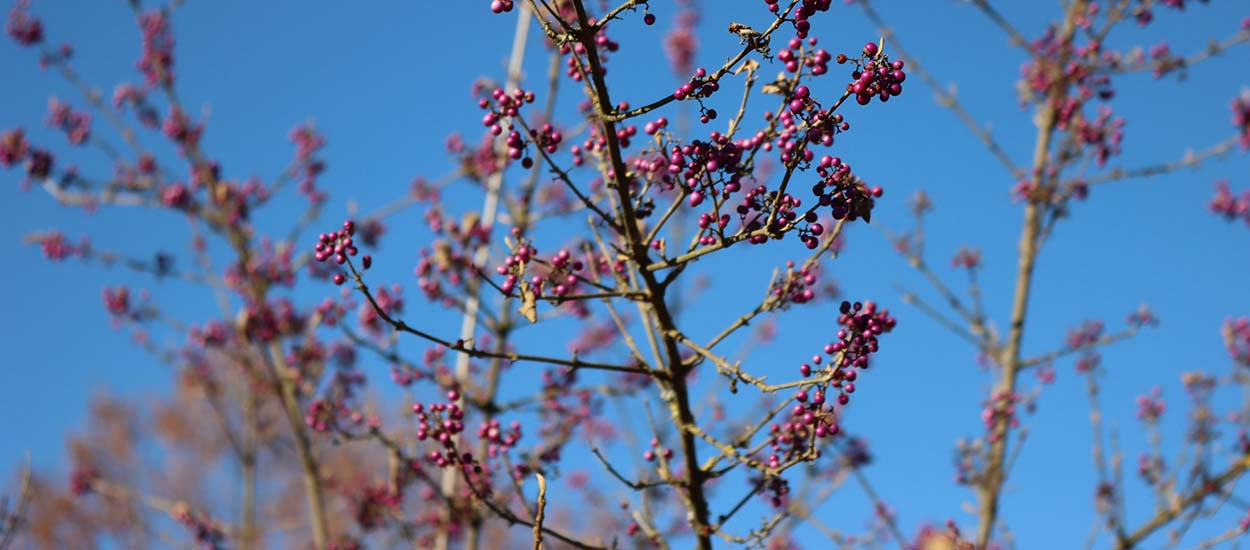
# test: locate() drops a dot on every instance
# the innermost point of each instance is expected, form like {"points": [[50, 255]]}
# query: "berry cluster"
{"points": [[1150, 407], [498, 440], [440, 422], [755, 206], [308, 142], [577, 50], [699, 86], [128, 94], [968, 459], [1085, 335], [117, 301], [1143, 317], [157, 61], [798, 286], [1000, 407], [560, 274], [700, 165], [505, 106], [597, 142], [1151, 468], [802, 13], [706, 221], [1163, 61], [1241, 116], [856, 341], [514, 266], [651, 128], [179, 127], [778, 491], [339, 245], [13, 147], [26, 30], [207, 533], [862, 323], [817, 61], [212, 334], [811, 416], [322, 416], [376, 504], [1103, 134], [81, 479], [270, 320], [875, 75], [657, 451], [269, 263], [75, 124], [967, 258], [548, 138], [501, 6], [1237, 336], [56, 247], [820, 128], [1225, 204], [40, 165], [840, 189]]}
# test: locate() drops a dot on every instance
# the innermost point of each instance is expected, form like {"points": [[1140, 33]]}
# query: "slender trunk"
{"points": [[468, 327], [679, 402], [995, 474], [313, 491]]}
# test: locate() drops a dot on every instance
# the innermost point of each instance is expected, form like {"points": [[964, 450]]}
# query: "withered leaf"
{"points": [[469, 220], [781, 86], [863, 209], [749, 66], [747, 35], [529, 303], [744, 31], [442, 255]]}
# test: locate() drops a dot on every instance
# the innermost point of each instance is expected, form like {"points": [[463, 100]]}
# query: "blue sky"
{"points": [[388, 82]]}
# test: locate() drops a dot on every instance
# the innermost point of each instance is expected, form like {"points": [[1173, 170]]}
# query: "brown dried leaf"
{"points": [[442, 255], [529, 303], [749, 66], [781, 86]]}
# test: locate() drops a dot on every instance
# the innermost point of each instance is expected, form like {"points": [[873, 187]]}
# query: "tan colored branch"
{"points": [[540, 511]]}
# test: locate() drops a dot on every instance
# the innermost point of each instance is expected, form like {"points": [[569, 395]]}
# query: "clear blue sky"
{"points": [[388, 82]]}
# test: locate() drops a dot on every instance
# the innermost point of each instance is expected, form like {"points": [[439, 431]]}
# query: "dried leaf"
{"points": [[749, 65], [863, 209], [442, 255], [470, 220], [747, 35], [744, 31], [781, 86], [529, 303]]}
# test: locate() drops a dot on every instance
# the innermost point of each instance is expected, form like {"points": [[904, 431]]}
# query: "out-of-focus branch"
{"points": [[1163, 516], [994, 475], [10, 521], [1190, 159], [1017, 38], [1100, 342]]}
